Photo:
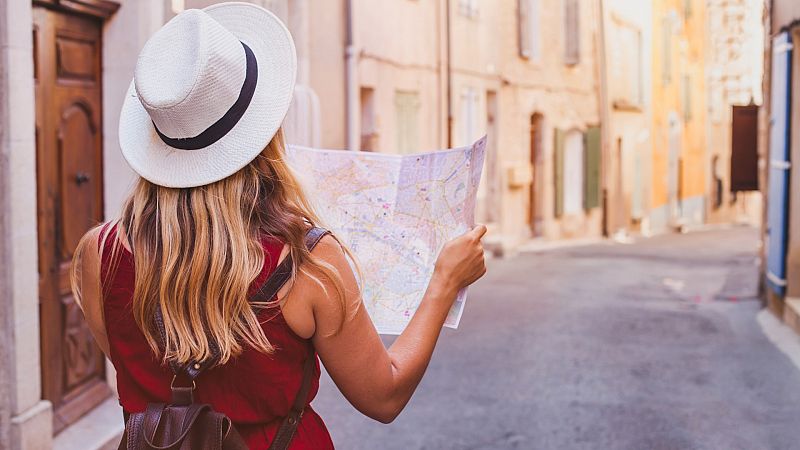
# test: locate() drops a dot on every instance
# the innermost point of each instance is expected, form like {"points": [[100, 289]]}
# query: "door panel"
{"points": [[777, 200], [69, 202]]}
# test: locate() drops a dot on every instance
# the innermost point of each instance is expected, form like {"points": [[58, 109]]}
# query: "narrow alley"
{"points": [[655, 345]]}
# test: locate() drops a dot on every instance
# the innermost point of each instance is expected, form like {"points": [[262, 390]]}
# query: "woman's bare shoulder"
{"points": [[87, 284]]}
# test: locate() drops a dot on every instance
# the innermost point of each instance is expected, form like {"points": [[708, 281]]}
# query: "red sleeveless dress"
{"points": [[255, 390]]}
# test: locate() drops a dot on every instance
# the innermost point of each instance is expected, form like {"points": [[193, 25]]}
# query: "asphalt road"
{"points": [[651, 345]]}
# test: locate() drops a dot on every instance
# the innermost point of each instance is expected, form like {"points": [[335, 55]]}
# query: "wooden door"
{"points": [[67, 74]]}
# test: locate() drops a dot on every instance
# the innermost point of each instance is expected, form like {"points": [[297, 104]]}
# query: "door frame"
{"points": [[94, 391]]}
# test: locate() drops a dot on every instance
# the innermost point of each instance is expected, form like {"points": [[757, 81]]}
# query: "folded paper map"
{"points": [[395, 213]]}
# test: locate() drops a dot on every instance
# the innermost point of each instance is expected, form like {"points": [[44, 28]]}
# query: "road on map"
{"points": [[651, 345]]}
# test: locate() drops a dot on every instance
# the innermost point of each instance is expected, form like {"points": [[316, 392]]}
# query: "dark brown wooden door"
{"points": [[67, 51]]}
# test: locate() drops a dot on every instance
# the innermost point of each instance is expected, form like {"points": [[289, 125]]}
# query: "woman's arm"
{"points": [[377, 381]]}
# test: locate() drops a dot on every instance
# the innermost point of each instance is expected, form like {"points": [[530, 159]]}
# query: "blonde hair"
{"points": [[197, 251]]}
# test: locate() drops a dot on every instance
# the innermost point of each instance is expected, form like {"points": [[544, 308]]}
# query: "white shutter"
{"points": [[469, 115], [534, 29], [524, 29], [407, 126], [571, 32], [573, 173]]}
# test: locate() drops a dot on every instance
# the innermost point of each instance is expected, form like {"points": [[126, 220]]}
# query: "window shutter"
{"points": [[687, 98], [666, 49], [558, 160], [744, 149], [572, 32], [406, 107], [591, 197], [523, 19]]}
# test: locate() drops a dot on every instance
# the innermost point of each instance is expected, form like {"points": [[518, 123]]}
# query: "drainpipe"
{"points": [[449, 77], [351, 82], [605, 128]]}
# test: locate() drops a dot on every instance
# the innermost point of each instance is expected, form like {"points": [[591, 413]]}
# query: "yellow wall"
{"points": [[687, 49]]}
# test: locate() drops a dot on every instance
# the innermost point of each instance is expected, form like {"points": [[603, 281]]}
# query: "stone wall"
{"points": [[25, 419]]}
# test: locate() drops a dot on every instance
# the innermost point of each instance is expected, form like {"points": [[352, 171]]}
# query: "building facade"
{"points": [[705, 64], [734, 38], [627, 112], [679, 114], [779, 146], [588, 135], [452, 71]]}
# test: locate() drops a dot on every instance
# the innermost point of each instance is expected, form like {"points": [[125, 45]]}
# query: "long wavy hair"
{"points": [[197, 251]]}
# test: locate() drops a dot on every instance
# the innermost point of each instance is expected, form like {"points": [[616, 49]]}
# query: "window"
{"points": [[572, 35], [407, 114], [468, 8], [716, 96], [469, 115], [626, 66], [369, 129], [529, 38], [666, 49], [573, 173]]}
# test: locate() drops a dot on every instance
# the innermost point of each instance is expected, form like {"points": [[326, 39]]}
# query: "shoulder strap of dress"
{"points": [[267, 292], [283, 272]]}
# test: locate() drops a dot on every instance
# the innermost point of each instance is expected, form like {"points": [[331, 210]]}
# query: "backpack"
{"points": [[186, 425]]}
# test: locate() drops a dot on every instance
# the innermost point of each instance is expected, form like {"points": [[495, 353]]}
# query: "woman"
{"points": [[214, 212]]}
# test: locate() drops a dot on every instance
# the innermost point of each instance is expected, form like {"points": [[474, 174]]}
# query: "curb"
{"points": [[783, 337]]}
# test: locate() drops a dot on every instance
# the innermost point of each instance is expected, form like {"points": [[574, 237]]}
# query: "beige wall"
{"points": [[400, 45], [784, 13], [734, 70], [124, 36], [326, 43], [629, 142], [567, 97]]}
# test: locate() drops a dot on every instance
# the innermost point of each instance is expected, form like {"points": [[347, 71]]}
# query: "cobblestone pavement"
{"points": [[651, 345]]}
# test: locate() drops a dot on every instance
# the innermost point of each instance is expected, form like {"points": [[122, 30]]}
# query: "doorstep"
{"points": [[100, 429], [791, 313]]}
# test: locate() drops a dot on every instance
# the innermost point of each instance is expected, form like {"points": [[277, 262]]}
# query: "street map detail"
{"points": [[395, 213]]}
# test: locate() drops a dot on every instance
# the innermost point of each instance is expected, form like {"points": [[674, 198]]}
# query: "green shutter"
{"points": [[559, 172], [591, 197]]}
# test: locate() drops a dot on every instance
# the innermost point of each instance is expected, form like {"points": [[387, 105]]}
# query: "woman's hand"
{"points": [[378, 382], [461, 262]]}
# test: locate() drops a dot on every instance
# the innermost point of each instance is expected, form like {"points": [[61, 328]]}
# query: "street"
{"points": [[650, 345]]}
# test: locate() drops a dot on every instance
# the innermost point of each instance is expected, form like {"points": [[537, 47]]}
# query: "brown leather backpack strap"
{"points": [[289, 424]]}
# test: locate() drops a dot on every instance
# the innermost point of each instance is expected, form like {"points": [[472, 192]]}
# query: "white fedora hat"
{"points": [[210, 90]]}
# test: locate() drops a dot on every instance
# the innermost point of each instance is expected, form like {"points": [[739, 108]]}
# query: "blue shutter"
{"points": [[778, 194]]}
